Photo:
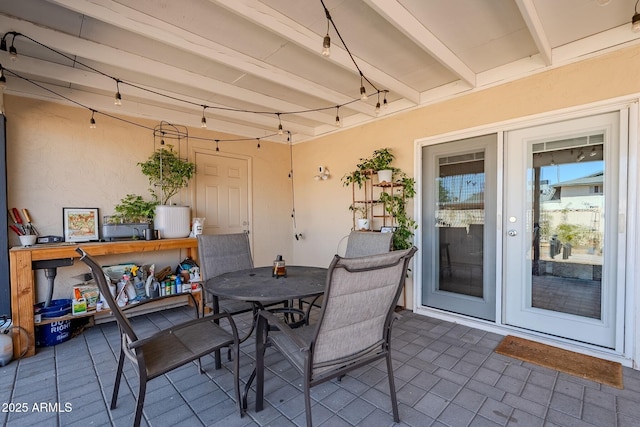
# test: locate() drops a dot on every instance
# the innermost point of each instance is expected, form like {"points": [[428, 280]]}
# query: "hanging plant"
{"points": [[168, 172]]}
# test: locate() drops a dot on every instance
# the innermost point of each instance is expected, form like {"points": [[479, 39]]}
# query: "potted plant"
{"points": [[133, 216], [362, 217], [396, 205], [379, 162], [168, 173]]}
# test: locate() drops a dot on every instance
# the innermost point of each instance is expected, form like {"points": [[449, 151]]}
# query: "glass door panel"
{"points": [[460, 196]]}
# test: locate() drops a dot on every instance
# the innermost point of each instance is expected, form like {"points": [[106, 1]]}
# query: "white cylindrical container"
{"points": [[6, 348], [172, 222]]}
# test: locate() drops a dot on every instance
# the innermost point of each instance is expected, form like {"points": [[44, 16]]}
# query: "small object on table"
{"points": [[279, 267]]}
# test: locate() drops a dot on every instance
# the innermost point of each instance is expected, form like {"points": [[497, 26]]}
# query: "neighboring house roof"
{"points": [[594, 179]]}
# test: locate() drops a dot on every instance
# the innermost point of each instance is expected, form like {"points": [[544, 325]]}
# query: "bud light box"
{"points": [[53, 333]]}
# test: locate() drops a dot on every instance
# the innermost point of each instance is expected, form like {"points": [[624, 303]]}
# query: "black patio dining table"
{"points": [[258, 286]]}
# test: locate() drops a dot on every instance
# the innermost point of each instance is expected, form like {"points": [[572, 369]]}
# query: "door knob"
{"points": [[512, 233]]}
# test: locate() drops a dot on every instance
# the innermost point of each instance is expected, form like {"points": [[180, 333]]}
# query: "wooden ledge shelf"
{"points": [[22, 277]]}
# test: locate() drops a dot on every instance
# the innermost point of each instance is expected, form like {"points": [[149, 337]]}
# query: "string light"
{"points": [[217, 148], [363, 91], [92, 122], [118, 95], [203, 122], [326, 42], [258, 142], [385, 104], [118, 100], [378, 105]]}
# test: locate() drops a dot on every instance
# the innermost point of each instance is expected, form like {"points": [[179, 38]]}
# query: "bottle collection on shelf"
{"points": [[139, 284]]}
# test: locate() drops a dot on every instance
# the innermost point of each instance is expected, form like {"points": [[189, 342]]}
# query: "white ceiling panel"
{"points": [[250, 61]]}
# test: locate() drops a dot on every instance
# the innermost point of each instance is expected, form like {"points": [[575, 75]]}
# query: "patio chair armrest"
{"points": [[274, 321]]}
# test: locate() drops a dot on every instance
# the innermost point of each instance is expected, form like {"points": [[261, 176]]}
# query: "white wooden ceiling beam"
{"points": [[406, 23], [266, 17], [139, 23], [534, 24], [145, 66]]}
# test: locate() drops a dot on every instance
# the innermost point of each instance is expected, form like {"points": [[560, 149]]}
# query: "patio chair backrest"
{"points": [[359, 303], [222, 253], [365, 243]]}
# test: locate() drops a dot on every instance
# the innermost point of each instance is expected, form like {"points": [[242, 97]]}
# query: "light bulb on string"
{"points": [[217, 148], [326, 46], [378, 104], [280, 130], [118, 98], [385, 104], [326, 42], [203, 122], [12, 50], [258, 142], [92, 122], [338, 121]]}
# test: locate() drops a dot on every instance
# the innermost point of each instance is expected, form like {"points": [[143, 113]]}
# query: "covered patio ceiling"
{"points": [[250, 65]]}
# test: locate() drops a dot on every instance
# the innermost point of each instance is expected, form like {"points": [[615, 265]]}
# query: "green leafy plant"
{"points": [[167, 171], [360, 211], [380, 160], [396, 205], [134, 209]]}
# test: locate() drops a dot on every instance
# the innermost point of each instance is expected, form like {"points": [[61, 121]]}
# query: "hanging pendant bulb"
{"points": [[258, 142], [280, 130], [338, 122], [363, 93], [203, 122], [13, 52], [118, 98], [377, 108], [385, 104], [326, 46], [92, 122], [217, 148]]}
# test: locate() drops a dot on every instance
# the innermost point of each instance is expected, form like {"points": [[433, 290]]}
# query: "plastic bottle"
{"points": [[178, 283]]}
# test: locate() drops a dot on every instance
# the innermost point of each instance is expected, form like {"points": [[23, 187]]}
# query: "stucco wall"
{"points": [[322, 206], [56, 161]]}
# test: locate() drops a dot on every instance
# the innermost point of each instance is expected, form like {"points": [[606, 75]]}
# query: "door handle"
{"points": [[512, 233]]}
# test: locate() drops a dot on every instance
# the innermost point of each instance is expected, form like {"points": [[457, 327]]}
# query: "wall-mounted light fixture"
{"points": [[323, 174]]}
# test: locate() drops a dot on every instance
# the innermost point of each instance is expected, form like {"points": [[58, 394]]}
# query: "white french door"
{"points": [[459, 227], [563, 228]]}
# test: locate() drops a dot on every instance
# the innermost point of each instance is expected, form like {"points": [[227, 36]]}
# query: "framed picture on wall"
{"points": [[80, 224]]}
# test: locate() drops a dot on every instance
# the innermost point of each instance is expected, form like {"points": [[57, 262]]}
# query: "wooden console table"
{"points": [[22, 278]]}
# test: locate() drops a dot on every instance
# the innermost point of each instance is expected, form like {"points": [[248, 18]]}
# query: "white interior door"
{"points": [[222, 193], [562, 240], [459, 227]]}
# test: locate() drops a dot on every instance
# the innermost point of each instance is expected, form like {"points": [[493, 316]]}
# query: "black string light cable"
{"points": [[363, 92], [118, 96]]}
